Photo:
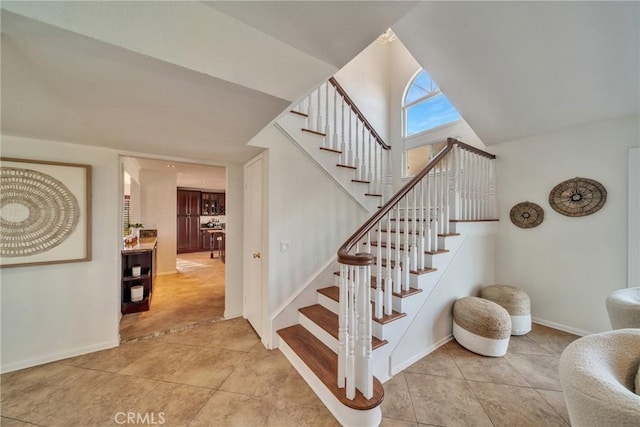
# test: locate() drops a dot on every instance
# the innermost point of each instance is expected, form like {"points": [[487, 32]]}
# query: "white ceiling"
{"points": [[517, 69], [63, 86], [188, 175], [332, 31], [513, 69]]}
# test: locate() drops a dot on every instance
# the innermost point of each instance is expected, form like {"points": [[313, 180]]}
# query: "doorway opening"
{"points": [[188, 276]]}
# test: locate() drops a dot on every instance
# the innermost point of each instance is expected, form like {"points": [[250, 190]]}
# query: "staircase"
{"points": [[390, 266], [330, 129]]}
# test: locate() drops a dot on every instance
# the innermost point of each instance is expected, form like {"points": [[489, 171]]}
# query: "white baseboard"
{"points": [[58, 356], [560, 327], [228, 316], [405, 364]]}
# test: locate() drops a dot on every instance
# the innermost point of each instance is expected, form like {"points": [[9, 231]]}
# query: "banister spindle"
{"points": [[414, 235], [327, 129], [350, 156], [388, 283], [336, 143], [318, 127], [343, 155], [406, 263], [421, 241], [397, 271], [379, 293], [357, 154]]}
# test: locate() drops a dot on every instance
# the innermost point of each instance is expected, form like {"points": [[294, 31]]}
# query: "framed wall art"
{"points": [[45, 212]]}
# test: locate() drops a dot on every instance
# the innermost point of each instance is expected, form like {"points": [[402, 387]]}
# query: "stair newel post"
{"points": [[352, 330], [397, 270], [309, 120], [492, 191], [327, 127], [406, 262], [427, 198], [456, 181], [350, 159], [447, 191], [336, 142], [379, 293], [358, 155], [388, 281], [343, 146], [343, 323], [318, 127], [434, 218], [365, 383], [370, 160], [414, 236], [421, 246]]}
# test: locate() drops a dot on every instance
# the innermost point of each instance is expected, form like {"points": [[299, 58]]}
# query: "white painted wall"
{"points": [[567, 265], [366, 80], [234, 209], [305, 208], [158, 207], [471, 269], [61, 310]]}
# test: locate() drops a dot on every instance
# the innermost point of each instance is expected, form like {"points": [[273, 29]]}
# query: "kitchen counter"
{"points": [[143, 244]]}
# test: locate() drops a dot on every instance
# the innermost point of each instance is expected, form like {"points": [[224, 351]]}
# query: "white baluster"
{"points": [[366, 366], [351, 368], [343, 148], [388, 283], [357, 154], [318, 126], [336, 142], [406, 265], [421, 245], [327, 128], [350, 142], [397, 270], [428, 181], [379, 293], [447, 190], [456, 182], [309, 121], [434, 219], [414, 236], [343, 323]]}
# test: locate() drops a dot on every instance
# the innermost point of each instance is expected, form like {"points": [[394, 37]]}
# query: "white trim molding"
{"points": [[633, 278]]}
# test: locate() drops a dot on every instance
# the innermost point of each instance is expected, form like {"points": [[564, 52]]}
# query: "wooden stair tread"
{"points": [[324, 364], [418, 272], [448, 234], [393, 246], [328, 321], [346, 166], [298, 113], [333, 292], [314, 132], [331, 150], [373, 195], [361, 181]]}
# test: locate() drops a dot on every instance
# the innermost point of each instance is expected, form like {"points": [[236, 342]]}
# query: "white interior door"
{"points": [[253, 258]]}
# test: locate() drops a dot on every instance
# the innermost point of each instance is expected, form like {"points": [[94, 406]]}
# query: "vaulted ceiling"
{"points": [[200, 79]]}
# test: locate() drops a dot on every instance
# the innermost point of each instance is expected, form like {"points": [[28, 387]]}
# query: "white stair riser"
{"points": [[345, 415], [328, 303], [391, 329], [326, 338]]}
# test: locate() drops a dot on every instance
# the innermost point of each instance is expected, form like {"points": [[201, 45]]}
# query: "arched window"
{"points": [[425, 106], [429, 118]]}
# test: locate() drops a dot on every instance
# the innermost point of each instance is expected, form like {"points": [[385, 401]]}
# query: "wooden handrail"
{"points": [[364, 258], [358, 113]]}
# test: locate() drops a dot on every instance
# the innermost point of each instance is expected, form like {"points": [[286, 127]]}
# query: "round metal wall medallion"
{"points": [[37, 212], [526, 215], [578, 197]]}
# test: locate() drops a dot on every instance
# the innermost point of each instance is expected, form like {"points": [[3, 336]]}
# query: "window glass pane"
{"points": [[417, 158], [421, 86], [429, 114]]}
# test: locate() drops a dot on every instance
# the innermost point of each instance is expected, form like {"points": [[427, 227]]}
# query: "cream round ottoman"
{"points": [[515, 301], [481, 326], [623, 306]]}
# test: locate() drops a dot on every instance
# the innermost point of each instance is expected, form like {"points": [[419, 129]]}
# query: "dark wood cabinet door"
{"points": [[188, 202]]}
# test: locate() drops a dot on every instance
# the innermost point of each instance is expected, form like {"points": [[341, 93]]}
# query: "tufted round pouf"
{"points": [[597, 375], [623, 306], [515, 301], [481, 326]]}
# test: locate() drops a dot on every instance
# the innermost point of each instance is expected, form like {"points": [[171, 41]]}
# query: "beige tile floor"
{"points": [[219, 374], [194, 295]]}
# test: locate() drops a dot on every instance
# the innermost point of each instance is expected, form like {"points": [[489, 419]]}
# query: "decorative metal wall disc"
{"points": [[578, 197], [37, 212], [526, 215]]}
